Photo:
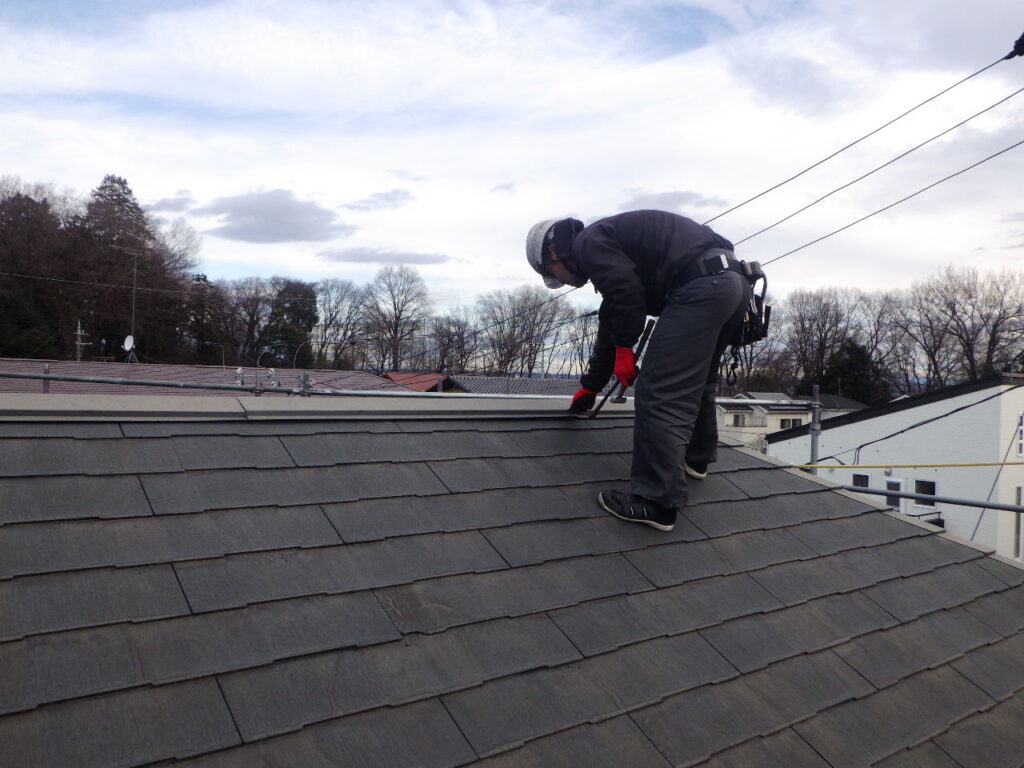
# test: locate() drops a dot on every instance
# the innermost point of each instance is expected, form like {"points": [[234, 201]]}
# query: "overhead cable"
{"points": [[875, 170], [995, 480], [893, 205], [854, 143], [856, 451]]}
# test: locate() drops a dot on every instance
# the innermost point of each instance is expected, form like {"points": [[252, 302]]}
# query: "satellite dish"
{"points": [[129, 343]]}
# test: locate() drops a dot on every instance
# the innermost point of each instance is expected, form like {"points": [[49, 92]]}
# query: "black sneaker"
{"points": [[637, 510], [696, 469]]}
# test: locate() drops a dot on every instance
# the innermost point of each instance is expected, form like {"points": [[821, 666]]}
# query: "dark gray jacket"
{"points": [[633, 259]]}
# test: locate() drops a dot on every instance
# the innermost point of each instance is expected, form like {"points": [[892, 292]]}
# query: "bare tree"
{"points": [[251, 302], [517, 326], [340, 311], [984, 317], [818, 323], [581, 333], [453, 341], [932, 358], [397, 306]]}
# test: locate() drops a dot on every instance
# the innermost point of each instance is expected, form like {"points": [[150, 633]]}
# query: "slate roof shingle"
{"points": [[445, 591]]}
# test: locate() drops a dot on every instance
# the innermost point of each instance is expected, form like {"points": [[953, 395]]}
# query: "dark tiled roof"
{"points": [[189, 374], [409, 592], [839, 403]]}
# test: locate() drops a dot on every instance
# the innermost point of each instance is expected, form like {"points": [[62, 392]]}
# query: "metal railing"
{"points": [[940, 499]]}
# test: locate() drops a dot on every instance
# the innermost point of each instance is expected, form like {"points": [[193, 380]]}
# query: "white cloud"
{"points": [[272, 217], [379, 256], [396, 198], [589, 106]]}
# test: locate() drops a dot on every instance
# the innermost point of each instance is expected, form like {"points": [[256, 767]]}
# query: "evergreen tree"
{"points": [[852, 373], [293, 315]]}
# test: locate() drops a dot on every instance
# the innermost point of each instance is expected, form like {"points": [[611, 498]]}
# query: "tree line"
{"points": [[68, 264], [68, 267], [957, 325]]}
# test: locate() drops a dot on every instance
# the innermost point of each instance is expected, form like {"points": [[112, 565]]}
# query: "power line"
{"points": [[875, 170], [853, 143], [893, 205], [995, 482], [856, 451]]}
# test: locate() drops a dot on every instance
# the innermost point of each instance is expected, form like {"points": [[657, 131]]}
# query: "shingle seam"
{"points": [[430, 466], [284, 446], [458, 725], [649, 740], [181, 586], [331, 523], [145, 495], [227, 705]]}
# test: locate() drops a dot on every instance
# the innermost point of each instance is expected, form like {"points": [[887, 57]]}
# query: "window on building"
{"points": [[789, 423], [862, 481], [926, 487], [896, 502], [1020, 435], [739, 420]]}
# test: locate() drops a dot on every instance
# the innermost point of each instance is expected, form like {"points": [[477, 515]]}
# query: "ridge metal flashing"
{"points": [[360, 405]]}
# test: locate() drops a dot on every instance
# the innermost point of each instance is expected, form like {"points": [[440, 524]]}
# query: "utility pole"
{"points": [[815, 428]]}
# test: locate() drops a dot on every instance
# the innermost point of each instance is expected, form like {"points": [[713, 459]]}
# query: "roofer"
{"points": [[660, 264]]}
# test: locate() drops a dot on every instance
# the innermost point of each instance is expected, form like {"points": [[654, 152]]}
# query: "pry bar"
{"points": [[621, 389]]}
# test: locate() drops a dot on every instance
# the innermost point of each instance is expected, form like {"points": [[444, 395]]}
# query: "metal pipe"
{"points": [[943, 499]]}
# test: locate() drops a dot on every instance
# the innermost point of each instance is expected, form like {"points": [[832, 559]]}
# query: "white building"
{"points": [[751, 424], [975, 423]]}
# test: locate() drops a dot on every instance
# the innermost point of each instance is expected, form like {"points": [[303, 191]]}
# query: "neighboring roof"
{"points": [[189, 374], [839, 403], [775, 396], [422, 382], [902, 403], [420, 590], [509, 385]]}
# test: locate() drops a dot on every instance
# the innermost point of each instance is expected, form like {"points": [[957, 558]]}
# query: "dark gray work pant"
{"points": [[675, 393]]}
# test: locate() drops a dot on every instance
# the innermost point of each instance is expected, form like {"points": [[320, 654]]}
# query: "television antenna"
{"points": [[129, 347]]}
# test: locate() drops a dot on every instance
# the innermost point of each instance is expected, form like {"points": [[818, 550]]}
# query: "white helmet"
{"points": [[536, 247]]}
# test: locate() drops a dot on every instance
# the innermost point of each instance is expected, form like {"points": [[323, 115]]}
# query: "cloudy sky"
{"points": [[325, 138]]}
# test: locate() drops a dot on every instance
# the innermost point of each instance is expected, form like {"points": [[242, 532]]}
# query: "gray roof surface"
{"points": [[443, 592], [190, 374]]}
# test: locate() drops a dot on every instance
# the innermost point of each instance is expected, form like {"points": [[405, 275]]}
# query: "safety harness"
{"points": [[754, 327]]}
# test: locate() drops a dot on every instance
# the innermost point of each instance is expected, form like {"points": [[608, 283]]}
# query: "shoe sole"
{"points": [[695, 474], [609, 510]]}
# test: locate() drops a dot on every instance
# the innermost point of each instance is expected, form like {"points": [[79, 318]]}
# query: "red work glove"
{"points": [[625, 365], [582, 401]]}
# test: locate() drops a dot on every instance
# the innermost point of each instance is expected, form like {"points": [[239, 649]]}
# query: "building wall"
{"points": [[1010, 528], [979, 434]]}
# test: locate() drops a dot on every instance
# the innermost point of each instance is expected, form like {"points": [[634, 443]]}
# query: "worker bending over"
{"points": [[668, 266]]}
